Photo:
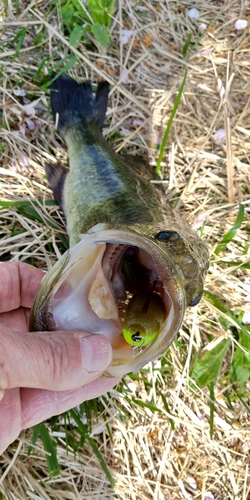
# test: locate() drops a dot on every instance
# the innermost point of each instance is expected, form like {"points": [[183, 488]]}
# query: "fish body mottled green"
{"points": [[101, 186], [125, 240]]}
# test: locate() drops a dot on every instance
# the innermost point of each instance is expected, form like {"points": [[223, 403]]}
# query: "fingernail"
{"points": [[96, 353], [1, 394]]}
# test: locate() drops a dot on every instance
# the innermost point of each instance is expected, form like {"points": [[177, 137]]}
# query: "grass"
{"points": [[179, 428]]}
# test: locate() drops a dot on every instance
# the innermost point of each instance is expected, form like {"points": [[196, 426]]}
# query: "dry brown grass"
{"points": [[207, 176]]}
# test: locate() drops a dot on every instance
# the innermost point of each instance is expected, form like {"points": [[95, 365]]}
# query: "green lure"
{"points": [[144, 317]]}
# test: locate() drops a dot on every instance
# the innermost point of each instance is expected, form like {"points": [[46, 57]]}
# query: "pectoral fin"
{"points": [[56, 175]]}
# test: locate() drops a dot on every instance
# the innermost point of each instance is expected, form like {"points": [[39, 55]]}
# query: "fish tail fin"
{"points": [[74, 102]]}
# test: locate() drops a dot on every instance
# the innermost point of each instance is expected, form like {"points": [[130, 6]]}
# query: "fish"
{"points": [[134, 264]]}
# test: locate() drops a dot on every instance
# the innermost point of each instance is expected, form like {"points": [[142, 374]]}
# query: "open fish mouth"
{"points": [[92, 285]]}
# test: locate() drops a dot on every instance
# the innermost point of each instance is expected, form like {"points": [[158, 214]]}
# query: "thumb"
{"points": [[55, 361]]}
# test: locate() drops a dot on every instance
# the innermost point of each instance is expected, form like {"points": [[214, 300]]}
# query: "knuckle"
{"points": [[58, 360]]}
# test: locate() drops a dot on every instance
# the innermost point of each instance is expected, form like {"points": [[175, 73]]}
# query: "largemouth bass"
{"points": [[134, 264]]}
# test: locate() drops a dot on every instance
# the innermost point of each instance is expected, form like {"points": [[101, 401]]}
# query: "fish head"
{"points": [[116, 281]]}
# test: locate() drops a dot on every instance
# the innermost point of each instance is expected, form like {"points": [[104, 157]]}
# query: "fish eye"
{"points": [[136, 337], [167, 236]]}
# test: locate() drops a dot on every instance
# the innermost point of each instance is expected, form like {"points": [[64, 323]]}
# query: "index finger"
{"points": [[19, 283]]}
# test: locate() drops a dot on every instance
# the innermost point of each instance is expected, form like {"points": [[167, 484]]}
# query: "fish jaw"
{"points": [[86, 291]]}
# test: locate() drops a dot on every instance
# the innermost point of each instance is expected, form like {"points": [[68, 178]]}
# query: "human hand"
{"points": [[43, 373]]}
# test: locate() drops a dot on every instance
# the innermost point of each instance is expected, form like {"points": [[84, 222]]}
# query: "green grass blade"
{"points": [[228, 398], [64, 69], [150, 406], [110, 11], [139, 378], [167, 131], [35, 436], [232, 319], [75, 35], [238, 265], [164, 400], [82, 428], [24, 203], [230, 235], [236, 392], [187, 44], [206, 368], [50, 448], [101, 11], [27, 209], [39, 71], [19, 38], [174, 110], [240, 370], [101, 460], [101, 33]]}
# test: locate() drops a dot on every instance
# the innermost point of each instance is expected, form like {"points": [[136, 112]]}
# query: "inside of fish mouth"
{"points": [[129, 270], [97, 288], [125, 270]]}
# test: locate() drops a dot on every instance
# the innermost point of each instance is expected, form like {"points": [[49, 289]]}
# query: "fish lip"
{"points": [[124, 359]]}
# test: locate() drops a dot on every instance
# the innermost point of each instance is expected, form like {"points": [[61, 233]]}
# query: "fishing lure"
{"points": [[144, 317]]}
